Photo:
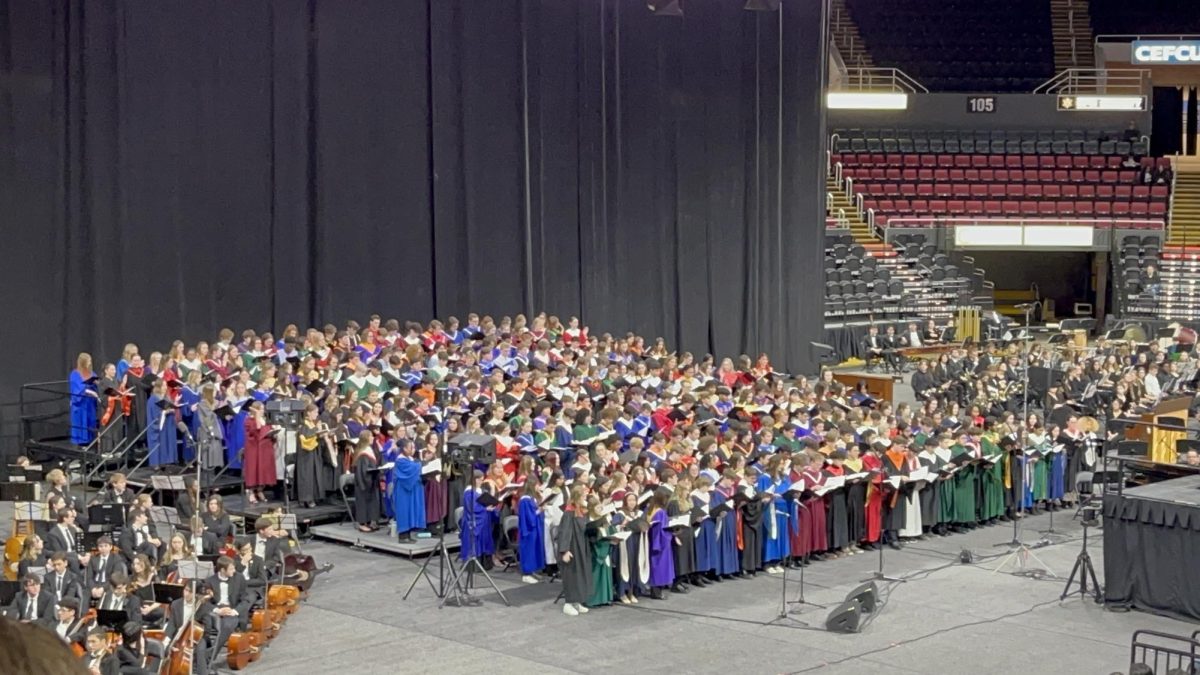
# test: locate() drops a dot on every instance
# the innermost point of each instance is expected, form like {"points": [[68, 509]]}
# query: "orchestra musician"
{"points": [[102, 566], [66, 537], [137, 537], [116, 491], [98, 660], [30, 603], [193, 605], [231, 605], [67, 622], [118, 598], [62, 583]]}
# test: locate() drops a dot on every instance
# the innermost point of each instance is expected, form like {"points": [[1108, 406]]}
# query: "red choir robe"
{"points": [[818, 538], [874, 497], [800, 530]]}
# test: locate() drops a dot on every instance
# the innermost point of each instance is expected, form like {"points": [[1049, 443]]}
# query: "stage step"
{"points": [[382, 540]]}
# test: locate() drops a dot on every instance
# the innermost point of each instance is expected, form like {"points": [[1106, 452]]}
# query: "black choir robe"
{"points": [[577, 574], [368, 505], [894, 505], [752, 539], [683, 545]]}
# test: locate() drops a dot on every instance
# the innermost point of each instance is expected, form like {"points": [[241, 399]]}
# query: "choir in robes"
{"points": [[368, 510], [84, 397], [408, 495]]}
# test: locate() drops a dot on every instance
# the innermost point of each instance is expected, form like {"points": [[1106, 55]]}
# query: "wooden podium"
{"points": [[1161, 442], [878, 386]]}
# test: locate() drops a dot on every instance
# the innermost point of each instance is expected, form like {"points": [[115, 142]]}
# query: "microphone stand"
{"points": [[784, 611]]}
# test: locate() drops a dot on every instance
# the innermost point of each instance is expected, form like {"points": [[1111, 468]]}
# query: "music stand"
{"points": [[113, 619], [20, 492], [8, 591], [162, 484], [111, 516], [165, 594], [165, 515], [29, 511], [195, 569], [288, 522]]}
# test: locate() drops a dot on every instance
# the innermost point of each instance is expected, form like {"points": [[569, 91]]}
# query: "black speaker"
{"points": [[471, 449], [844, 618], [867, 596]]}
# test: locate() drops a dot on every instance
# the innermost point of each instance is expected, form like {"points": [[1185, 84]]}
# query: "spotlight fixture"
{"points": [[665, 7], [762, 5]]}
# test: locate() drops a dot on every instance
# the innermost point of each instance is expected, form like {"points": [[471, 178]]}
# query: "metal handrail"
{"points": [[1097, 81], [1106, 223], [1129, 37], [881, 79]]}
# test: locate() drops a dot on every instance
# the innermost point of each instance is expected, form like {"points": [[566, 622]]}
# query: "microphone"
{"points": [[186, 432]]}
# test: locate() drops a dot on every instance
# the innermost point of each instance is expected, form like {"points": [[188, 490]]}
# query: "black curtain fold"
{"points": [[168, 169]]}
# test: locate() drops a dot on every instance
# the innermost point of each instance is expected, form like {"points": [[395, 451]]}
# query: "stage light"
{"points": [[762, 5], [666, 7]]}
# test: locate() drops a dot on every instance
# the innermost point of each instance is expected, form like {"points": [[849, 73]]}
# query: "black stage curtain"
{"points": [[171, 168], [1148, 549]]}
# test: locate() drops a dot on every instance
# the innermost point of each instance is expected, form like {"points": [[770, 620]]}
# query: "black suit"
{"points": [[110, 496], [108, 664], [130, 604], [68, 586], [220, 527], [922, 382], [129, 546], [185, 508], [56, 540], [237, 599], [256, 580], [890, 344], [77, 630], [200, 655], [97, 576], [21, 606]]}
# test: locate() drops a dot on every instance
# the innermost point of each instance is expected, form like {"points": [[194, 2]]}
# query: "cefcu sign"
{"points": [[1166, 51]]}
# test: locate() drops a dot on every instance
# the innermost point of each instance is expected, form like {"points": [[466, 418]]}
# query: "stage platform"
{"points": [[1150, 538], [139, 478], [307, 518], [381, 540]]}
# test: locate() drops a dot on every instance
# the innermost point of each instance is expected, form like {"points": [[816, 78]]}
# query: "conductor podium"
{"points": [[1161, 428]]}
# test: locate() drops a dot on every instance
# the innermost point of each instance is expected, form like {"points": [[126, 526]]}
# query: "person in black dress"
{"points": [[368, 506]]}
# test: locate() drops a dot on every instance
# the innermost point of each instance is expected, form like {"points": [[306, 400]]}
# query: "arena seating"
{"points": [[1148, 17], [1178, 295], [1038, 174], [909, 280], [960, 45]]}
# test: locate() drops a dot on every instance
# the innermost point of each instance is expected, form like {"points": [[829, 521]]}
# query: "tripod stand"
{"points": [[440, 553], [1021, 552], [1083, 567], [461, 587], [785, 611], [878, 574]]}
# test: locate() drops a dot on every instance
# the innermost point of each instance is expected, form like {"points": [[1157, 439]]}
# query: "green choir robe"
{"points": [[966, 487], [993, 481], [602, 571]]}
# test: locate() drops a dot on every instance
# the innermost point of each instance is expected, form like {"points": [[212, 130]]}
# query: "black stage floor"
{"points": [[382, 540], [322, 514]]}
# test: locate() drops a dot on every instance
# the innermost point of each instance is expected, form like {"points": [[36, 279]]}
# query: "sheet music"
{"points": [[680, 521], [432, 466]]}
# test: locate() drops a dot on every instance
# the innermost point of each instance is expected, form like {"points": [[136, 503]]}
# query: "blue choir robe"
{"points": [[235, 435], [705, 541], [408, 495], [727, 526], [625, 430], [388, 452], [475, 527], [83, 409], [161, 435], [662, 561], [1056, 485], [642, 426], [776, 542], [531, 536], [188, 399]]}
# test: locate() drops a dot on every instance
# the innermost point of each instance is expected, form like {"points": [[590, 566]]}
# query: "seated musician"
{"points": [[66, 537], [34, 557], [177, 549], [923, 385], [137, 654], [252, 569], [31, 604], [68, 622], [102, 566], [118, 598], [912, 336], [138, 538], [193, 605], [891, 346], [115, 491], [97, 659], [873, 343], [231, 606], [933, 335], [61, 582]]}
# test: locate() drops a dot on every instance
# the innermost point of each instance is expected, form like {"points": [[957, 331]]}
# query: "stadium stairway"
{"points": [[1184, 229], [1071, 18], [847, 39], [859, 228]]}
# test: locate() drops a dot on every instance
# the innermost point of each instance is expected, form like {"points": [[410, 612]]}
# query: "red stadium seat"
{"points": [[929, 160], [937, 206], [956, 206], [962, 161], [942, 189], [1159, 192], [1083, 208], [1051, 191], [961, 190], [946, 161], [1164, 162], [878, 173], [1158, 208], [1070, 191], [871, 204], [902, 206], [1012, 161], [1033, 162], [920, 206], [1104, 191], [1140, 208], [1014, 190], [997, 161], [1065, 208], [993, 208], [1029, 208], [996, 190], [941, 175], [908, 189], [909, 175], [1034, 190], [1060, 175], [1079, 161], [1087, 191], [894, 173], [1113, 161], [975, 207], [1120, 208], [989, 175], [1012, 208], [894, 160], [979, 161], [971, 175], [1018, 175], [887, 205], [1044, 176], [1109, 176], [958, 175], [925, 174], [878, 160], [1103, 208], [1045, 161], [1062, 162], [891, 189], [1078, 175], [925, 190], [1097, 162], [1128, 175], [1091, 175], [912, 160], [1141, 192], [1045, 208], [978, 190], [1123, 192]]}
